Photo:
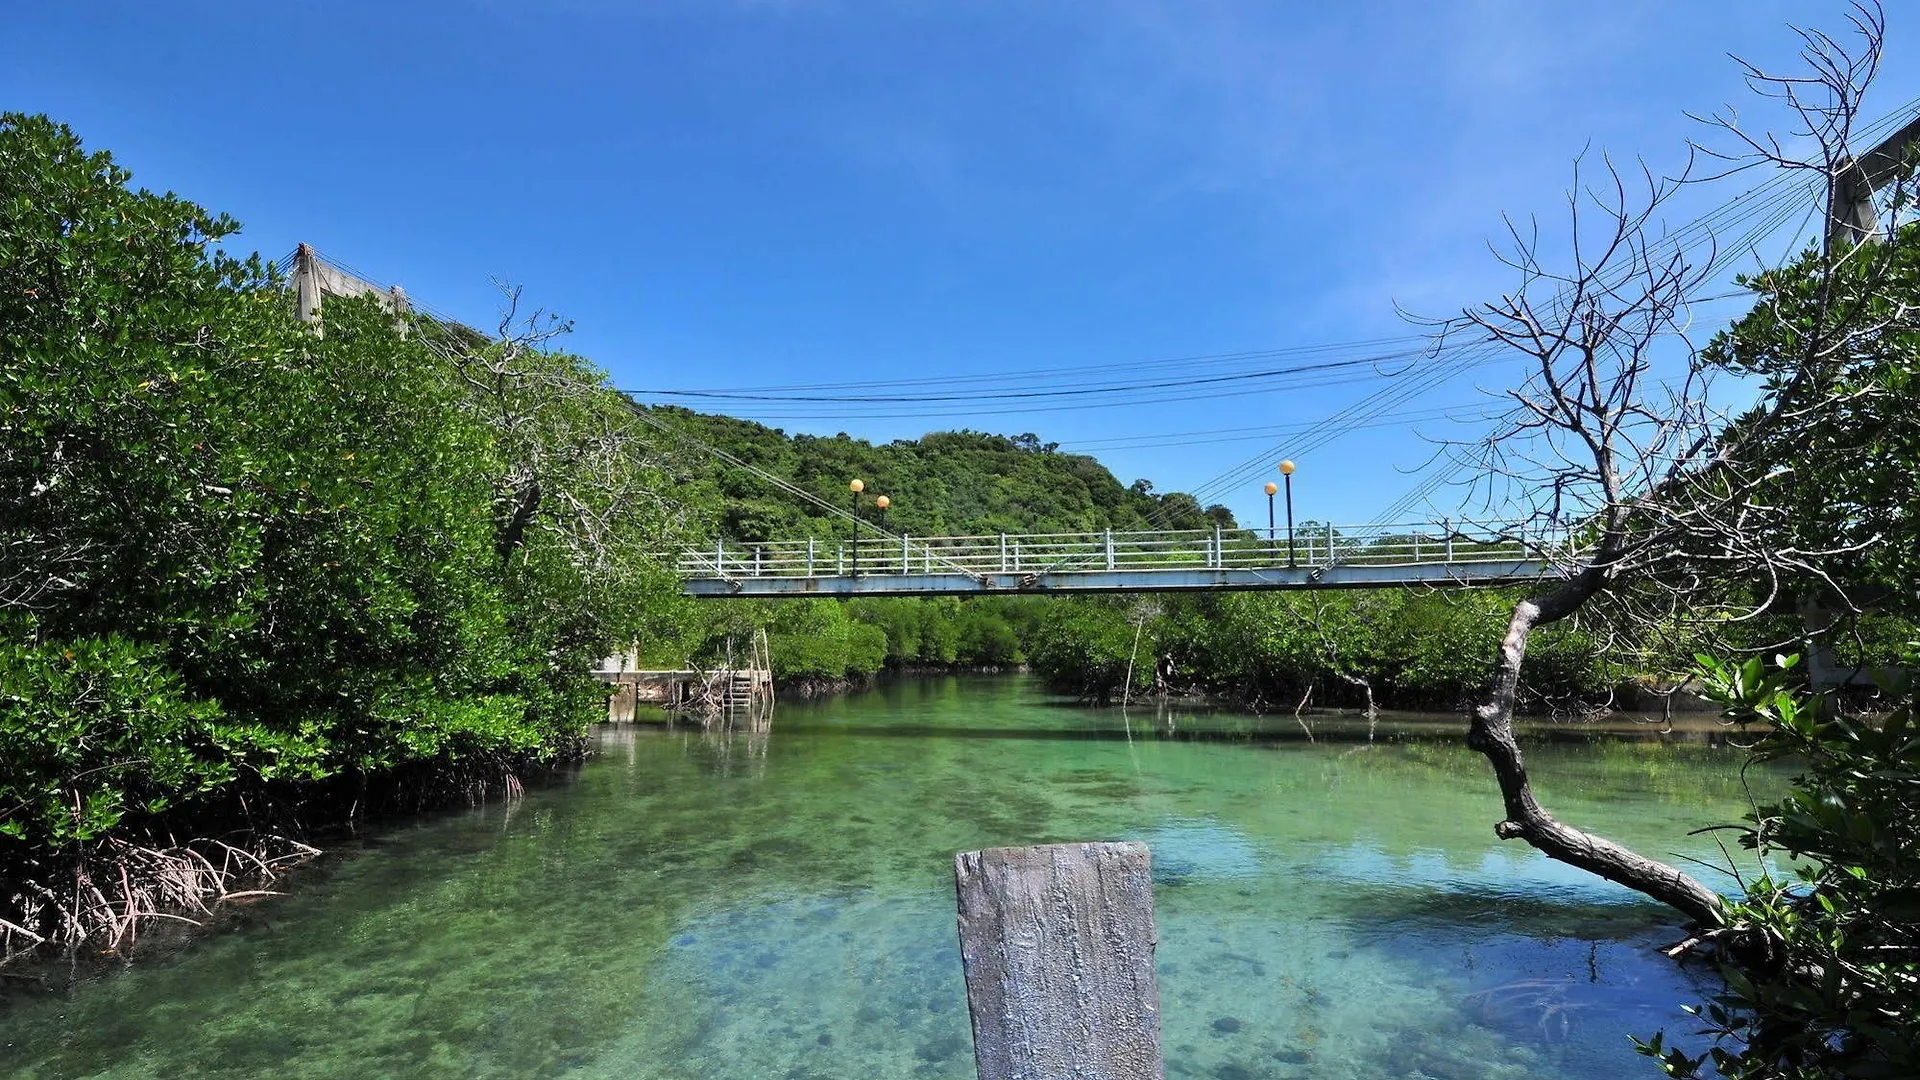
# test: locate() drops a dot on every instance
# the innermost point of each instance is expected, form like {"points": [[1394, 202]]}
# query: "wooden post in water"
{"points": [[1057, 942]]}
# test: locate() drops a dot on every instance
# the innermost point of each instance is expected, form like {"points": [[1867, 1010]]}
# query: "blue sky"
{"points": [[742, 193]]}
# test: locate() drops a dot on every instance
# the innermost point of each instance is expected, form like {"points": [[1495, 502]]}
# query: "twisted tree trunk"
{"points": [[1491, 733]]}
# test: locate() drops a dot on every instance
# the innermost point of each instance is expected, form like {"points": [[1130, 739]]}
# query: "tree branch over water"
{"points": [[1614, 435]]}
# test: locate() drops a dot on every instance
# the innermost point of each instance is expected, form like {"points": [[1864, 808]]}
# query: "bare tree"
{"points": [[1142, 612], [1316, 620], [1614, 439], [574, 462]]}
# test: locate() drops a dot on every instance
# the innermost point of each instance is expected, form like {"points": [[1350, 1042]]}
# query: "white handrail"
{"points": [[1313, 545]]}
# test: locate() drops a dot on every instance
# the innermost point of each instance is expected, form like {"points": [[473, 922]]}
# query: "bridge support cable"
{"points": [[1758, 213], [1775, 211], [1849, 212]]}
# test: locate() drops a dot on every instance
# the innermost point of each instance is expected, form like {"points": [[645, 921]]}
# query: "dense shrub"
{"points": [[1416, 649], [1821, 958], [240, 552]]}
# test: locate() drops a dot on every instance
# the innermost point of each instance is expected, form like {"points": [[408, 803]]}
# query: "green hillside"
{"points": [[945, 483]]}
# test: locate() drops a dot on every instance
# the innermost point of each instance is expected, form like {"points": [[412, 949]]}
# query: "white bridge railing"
{"points": [[1314, 545]]}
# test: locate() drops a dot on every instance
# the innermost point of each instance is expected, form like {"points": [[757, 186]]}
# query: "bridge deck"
{"points": [[1318, 557]]}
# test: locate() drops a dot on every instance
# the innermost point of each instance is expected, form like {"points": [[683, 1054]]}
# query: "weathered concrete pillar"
{"points": [[1058, 943], [401, 307], [306, 284]]}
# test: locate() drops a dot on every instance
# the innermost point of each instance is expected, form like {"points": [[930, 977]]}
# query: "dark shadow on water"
{"points": [[1532, 910]]}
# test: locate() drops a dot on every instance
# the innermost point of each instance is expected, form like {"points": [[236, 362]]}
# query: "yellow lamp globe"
{"points": [[883, 502], [1272, 487], [857, 486], [1286, 468]]}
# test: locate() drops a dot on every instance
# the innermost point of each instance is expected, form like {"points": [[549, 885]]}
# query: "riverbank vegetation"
{"points": [[1272, 651], [1261, 651], [258, 576], [1821, 951], [252, 571]]}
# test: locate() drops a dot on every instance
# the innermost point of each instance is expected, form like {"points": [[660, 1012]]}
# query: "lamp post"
{"points": [[856, 486], [883, 502], [1271, 488], [1286, 473]]}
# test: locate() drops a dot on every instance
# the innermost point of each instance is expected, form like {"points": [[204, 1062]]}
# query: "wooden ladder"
{"points": [[739, 692], [747, 687]]}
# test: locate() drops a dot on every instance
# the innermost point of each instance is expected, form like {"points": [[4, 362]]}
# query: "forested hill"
{"points": [[945, 483]]}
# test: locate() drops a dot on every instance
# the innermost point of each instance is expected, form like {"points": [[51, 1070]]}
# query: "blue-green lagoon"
{"points": [[781, 906]]}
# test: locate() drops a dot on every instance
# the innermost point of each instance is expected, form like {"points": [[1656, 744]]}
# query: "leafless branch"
{"points": [[1614, 437]]}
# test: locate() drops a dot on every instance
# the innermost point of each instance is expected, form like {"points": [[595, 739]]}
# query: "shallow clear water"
{"points": [[703, 906]]}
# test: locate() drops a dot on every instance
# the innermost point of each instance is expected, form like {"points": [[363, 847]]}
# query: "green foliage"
{"points": [[818, 639], [823, 638], [96, 728], [989, 633], [1416, 649], [1091, 644], [947, 483], [1844, 462], [1822, 963], [946, 631], [253, 553]]}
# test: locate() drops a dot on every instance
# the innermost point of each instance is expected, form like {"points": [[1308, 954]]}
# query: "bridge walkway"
{"points": [[1315, 557]]}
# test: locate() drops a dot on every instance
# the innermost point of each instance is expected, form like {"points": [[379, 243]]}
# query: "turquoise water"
{"points": [[693, 905]]}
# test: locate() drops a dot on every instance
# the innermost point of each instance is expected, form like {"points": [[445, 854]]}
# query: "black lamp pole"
{"points": [[853, 525], [1270, 548], [1286, 473]]}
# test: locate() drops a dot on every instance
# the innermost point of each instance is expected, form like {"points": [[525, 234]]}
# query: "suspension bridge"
{"points": [[1316, 557], [1443, 554]]}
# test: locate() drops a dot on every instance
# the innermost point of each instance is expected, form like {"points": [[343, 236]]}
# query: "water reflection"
{"points": [[720, 903]]}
